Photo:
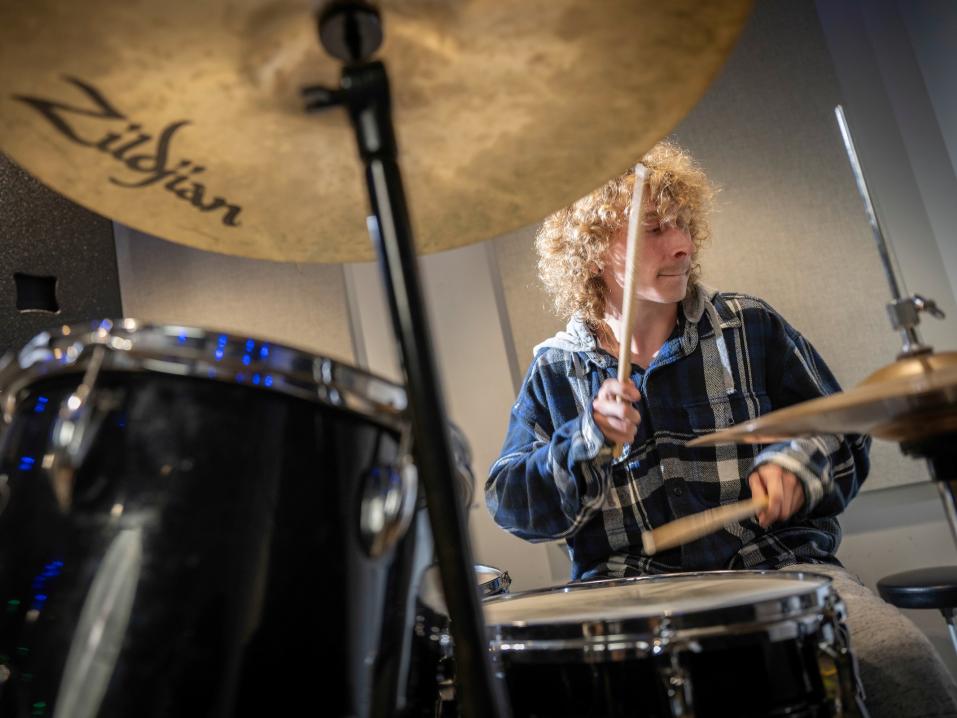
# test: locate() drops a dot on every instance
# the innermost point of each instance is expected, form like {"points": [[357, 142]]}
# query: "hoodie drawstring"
{"points": [[722, 346]]}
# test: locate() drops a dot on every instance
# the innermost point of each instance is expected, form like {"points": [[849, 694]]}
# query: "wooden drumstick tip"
{"points": [[648, 542]]}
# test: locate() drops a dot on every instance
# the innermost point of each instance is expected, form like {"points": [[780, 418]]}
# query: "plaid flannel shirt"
{"points": [[556, 478]]}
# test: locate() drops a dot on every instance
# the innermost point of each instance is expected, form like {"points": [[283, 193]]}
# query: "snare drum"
{"points": [[431, 678], [195, 523], [707, 644], [489, 580]]}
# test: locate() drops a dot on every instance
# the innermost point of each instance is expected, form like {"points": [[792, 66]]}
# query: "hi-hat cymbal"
{"points": [[183, 119], [905, 401]]}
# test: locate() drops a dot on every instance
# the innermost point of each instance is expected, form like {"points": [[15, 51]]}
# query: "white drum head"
{"points": [[625, 599]]}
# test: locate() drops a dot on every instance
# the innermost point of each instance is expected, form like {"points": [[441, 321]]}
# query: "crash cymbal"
{"points": [[183, 119], [905, 401]]}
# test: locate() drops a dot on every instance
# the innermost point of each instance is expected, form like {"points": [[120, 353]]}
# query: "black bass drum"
{"points": [[199, 524]]}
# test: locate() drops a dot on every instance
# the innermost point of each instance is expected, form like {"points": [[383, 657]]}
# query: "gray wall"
{"points": [[932, 34], [901, 144], [302, 305]]}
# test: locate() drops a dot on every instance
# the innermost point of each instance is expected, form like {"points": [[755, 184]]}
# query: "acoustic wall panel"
{"points": [[57, 260]]}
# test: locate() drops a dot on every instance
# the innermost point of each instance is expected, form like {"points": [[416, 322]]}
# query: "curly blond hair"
{"points": [[572, 243]]}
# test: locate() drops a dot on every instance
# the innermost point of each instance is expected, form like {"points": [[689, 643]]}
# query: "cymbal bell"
{"points": [[184, 119], [911, 399]]}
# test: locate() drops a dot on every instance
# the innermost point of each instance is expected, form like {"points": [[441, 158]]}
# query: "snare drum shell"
{"points": [[743, 658], [756, 677], [248, 590]]}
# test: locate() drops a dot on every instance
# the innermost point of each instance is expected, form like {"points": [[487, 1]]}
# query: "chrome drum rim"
{"points": [[811, 603], [204, 354]]}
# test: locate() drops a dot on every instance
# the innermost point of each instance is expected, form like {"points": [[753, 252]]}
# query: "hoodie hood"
{"points": [[577, 337]]}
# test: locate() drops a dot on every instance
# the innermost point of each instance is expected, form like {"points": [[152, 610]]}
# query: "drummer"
{"points": [[557, 478]]}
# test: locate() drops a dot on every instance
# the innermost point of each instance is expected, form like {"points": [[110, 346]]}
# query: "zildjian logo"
{"points": [[132, 148]]}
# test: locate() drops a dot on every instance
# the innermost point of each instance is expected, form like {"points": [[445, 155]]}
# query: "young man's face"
{"points": [[664, 261]]}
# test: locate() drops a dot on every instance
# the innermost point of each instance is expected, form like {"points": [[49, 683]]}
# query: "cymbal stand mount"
{"points": [[351, 31]]}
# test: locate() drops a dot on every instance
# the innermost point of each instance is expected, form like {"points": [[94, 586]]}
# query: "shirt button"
{"points": [[677, 491]]}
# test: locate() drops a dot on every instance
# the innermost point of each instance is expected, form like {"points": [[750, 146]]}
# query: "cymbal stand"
{"points": [[904, 312], [351, 31]]}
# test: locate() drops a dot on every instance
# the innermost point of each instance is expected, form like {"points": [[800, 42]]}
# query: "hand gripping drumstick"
{"points": [[689, 528], [628, 311]]}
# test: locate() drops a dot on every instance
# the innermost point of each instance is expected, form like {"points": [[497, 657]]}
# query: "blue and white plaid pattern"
{"points": [[556, 479]]}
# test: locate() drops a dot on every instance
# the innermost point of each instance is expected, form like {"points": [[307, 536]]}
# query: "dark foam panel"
{"points": [[57, 260]]}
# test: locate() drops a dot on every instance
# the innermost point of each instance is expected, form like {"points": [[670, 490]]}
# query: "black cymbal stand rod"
{"points": [[350, 30], [940, 451], [433, 453]]}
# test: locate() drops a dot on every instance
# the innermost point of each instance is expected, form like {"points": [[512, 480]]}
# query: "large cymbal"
{"points": [[505, 111], [905, 401]]}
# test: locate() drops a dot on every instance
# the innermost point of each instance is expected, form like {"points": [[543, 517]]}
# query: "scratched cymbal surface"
{"points": [[183, 119]]}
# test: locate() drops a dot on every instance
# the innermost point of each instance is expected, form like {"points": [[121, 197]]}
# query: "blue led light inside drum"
{"points": [[50, 571]]}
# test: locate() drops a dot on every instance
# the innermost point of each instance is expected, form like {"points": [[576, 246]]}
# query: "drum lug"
{"points": [[78, 421], [387, 504], [8, 399], [839, 681], [445, 702], [677, 685], [674, 676], [837, 664]]}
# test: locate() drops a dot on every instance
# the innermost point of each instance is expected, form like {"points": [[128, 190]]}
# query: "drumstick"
{"points": [[628, 311], [689, 528]]}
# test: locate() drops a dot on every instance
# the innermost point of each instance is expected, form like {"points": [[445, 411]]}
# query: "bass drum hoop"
{"points": [[134, 346]]}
